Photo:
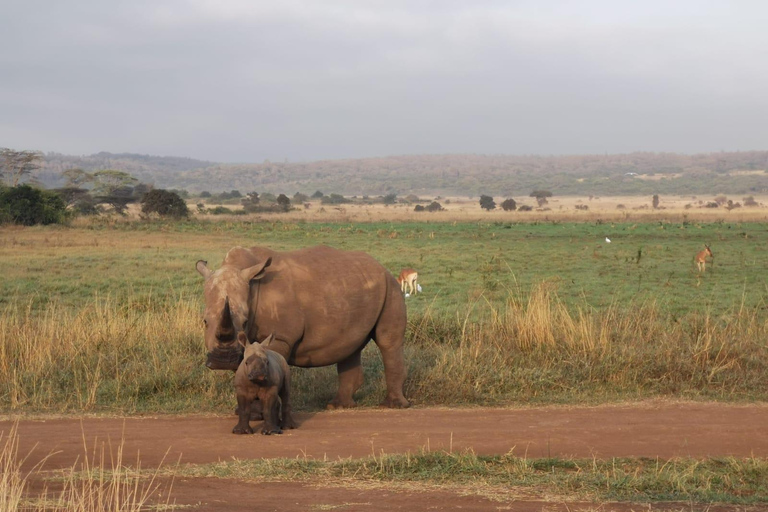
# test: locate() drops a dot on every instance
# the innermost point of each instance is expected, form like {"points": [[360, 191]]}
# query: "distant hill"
{"points": [[160, 170], [462, 175]]}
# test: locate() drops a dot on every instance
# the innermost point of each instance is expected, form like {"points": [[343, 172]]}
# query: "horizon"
{"points": [[487, 155]]}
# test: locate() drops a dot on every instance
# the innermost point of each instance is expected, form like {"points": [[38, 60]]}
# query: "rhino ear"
{"points": [[242, 339], [256, 271], [202, 267], [269, 339]]}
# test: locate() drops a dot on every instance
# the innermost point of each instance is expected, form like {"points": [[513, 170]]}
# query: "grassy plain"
{"points": [[104, 317], [512, 312]]}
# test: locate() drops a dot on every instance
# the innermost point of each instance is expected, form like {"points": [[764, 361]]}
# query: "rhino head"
{"points": [[255, 357], [227, 293]]}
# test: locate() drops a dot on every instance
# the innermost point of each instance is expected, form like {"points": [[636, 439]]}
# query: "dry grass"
{"points": [[100, 481], [463, 209], [106, 357]]}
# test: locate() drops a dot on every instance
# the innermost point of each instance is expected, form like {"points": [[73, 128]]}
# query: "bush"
{"points": [[524, 208], [434, 206], [220, 210], [29, 206], [283, 202], [334, 199], [750, 201], [419, 208], [164, 203], [509, 205]]}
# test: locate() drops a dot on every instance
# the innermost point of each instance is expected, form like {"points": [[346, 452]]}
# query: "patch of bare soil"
{"points": [[650, 429]]}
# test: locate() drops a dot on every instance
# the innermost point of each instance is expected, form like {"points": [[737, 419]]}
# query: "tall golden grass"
{"points": [[101, 482], [148, 356]]}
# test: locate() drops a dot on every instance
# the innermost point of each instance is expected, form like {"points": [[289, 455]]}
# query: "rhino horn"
{"points": [[226, 326], [256, 271], [269, 339], [202, 267]]}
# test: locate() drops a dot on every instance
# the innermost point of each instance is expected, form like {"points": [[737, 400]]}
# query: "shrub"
{"points": [[434, 206], [509, 205], [164, 203], [284, 202], [419, 208], [220, 210], [334, 199], [29, 206], [750, 201], [524, 208]]}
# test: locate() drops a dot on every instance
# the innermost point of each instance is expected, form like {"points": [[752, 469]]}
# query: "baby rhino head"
{"points": [[255, 358]]}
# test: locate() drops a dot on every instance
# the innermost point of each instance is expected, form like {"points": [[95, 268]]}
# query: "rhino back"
{"points": [[322, 302]]}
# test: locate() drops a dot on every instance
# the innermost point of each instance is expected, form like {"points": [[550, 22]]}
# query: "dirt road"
{"points": [[652, 429]]}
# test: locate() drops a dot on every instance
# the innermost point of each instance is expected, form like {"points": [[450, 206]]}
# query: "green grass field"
{"points": [[511, 313], [458, 263]]}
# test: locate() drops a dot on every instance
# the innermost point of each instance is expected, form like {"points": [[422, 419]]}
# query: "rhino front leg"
{"points": [[350, 379], [244, 413], [270, 410], [256, 413]]}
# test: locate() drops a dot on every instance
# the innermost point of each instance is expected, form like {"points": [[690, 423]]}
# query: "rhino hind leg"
{"points": [[389, 336], [350, 380]]}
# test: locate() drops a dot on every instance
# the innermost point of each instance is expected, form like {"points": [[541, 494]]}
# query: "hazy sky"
{"points": [[244, 80]]}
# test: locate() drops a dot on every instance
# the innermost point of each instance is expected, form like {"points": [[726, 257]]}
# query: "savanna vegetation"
{"points": [[104, 316], [511, 313]]}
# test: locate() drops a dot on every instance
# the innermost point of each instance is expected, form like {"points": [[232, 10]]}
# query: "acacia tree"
{"points": [[541, 196], [165, 203], [487, 203], [76, 178], [14, 165], [106, 181]]}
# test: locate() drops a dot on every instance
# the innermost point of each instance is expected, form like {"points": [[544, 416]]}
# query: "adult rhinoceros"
{"points": [[323, 305]]}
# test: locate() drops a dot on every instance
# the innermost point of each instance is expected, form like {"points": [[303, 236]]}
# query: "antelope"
{"points": [[701, 258], [407, 280]]}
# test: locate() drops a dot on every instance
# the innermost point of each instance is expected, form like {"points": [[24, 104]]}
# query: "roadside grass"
{"points": [[98, 481], [107, 357], [718, 480]]}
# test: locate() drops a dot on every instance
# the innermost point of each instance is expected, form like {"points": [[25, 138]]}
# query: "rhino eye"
{"points": [[205, 322], [245, 324]]}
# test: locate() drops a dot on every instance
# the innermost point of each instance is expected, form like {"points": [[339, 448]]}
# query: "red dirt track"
{"points": [[650, 429]]}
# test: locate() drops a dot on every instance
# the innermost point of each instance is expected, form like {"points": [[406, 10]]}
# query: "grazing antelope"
{"points": [[407, 280], [701, 258]]}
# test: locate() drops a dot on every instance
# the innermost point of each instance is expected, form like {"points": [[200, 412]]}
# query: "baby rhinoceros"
{"points": [[263, 374]]}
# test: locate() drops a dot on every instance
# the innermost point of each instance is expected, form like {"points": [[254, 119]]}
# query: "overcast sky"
{"points": [[245, 80]]}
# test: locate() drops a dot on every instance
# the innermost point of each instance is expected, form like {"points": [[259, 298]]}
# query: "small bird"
{"points": [[607, 240], [418, 287]]}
